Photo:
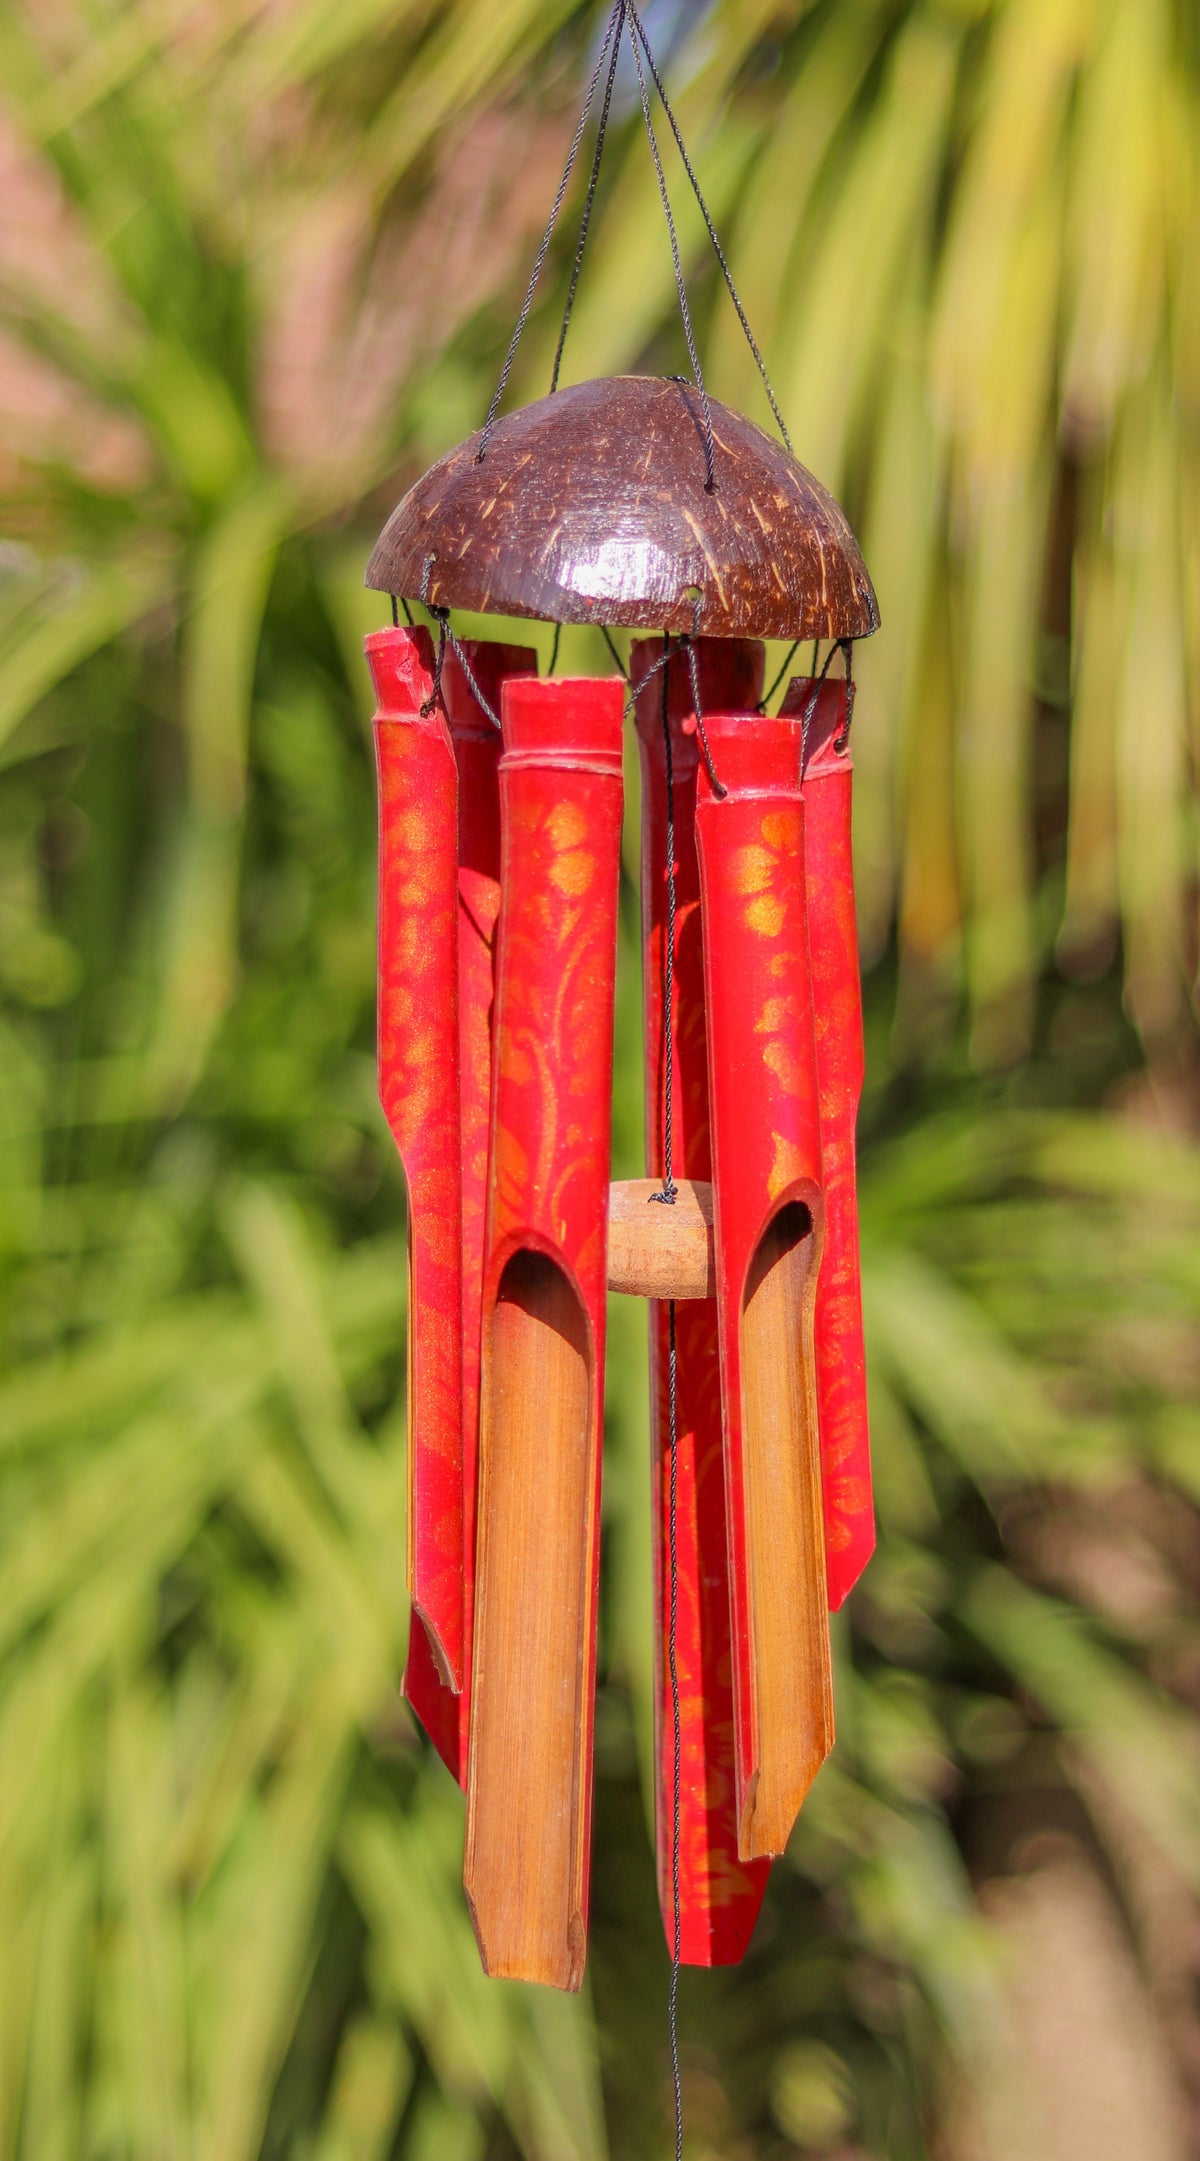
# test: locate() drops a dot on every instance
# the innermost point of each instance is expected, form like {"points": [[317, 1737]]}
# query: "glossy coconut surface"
{"points": [[591, 506]]}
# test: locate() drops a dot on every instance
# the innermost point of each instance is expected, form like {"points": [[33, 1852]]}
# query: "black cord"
{"points": [[710, 480], [689, 646], [844, 646], [844, 738], [685, 645], [447, 639], [677, 1735], [767, 696], [670, 1189], [726, 272], [625, 12], [616, 23], [554, 649], [606, 634], [656, 668], [668, 1197], [585, 221]]}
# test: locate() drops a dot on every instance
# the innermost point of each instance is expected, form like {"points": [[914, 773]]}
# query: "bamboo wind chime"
{"points": [[642, 503]]}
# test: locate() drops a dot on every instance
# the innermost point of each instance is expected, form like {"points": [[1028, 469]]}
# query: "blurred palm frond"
{"points": [[256, 265]]}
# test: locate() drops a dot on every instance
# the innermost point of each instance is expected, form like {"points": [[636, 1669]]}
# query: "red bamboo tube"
{"points": [[833, 951], [719, 1895], [529, 1775], [445, 1715], [418, 1088], [768, 1218]]}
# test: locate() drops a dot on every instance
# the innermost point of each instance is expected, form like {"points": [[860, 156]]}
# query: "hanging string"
{"points": [[447, 641], [606, 634], [844, 646], [689, 646], [685, 312], [843, 740], [789, 657], [589, 203], [676, 1721], [656, 668], [669, 1190], [685, 645], [554, 649], [640, 35], [625, 13], [616, 23], [668, 1198]]}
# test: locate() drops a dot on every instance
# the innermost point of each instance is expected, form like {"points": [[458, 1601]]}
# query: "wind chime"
{"points": [[642, 503]]}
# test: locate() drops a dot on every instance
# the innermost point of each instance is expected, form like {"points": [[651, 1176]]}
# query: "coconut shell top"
{"points": [[591, 507]]}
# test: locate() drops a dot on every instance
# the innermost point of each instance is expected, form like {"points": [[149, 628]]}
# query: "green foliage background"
{"points": [[256, 265]]}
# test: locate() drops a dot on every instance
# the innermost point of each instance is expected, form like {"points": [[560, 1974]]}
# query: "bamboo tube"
{"points": [[418, 1088], [768, 1220], [476, 739], [833, 949], [537, 1559], [719, 1894]]}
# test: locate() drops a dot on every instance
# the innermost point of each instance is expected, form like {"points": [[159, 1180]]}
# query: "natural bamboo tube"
{"points": [[523, 1868], [529, 1783], [785, 1542], [769, 1223]]}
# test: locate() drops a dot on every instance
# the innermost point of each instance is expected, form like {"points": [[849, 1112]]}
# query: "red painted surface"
{"points": [[477, 744], [720, 1896], [837, 994], [766, 1134], [498, 881], [418, 1088], [561, 805]]}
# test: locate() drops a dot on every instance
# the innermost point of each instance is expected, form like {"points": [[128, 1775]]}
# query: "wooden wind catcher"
{"points": [[499, 871]]}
